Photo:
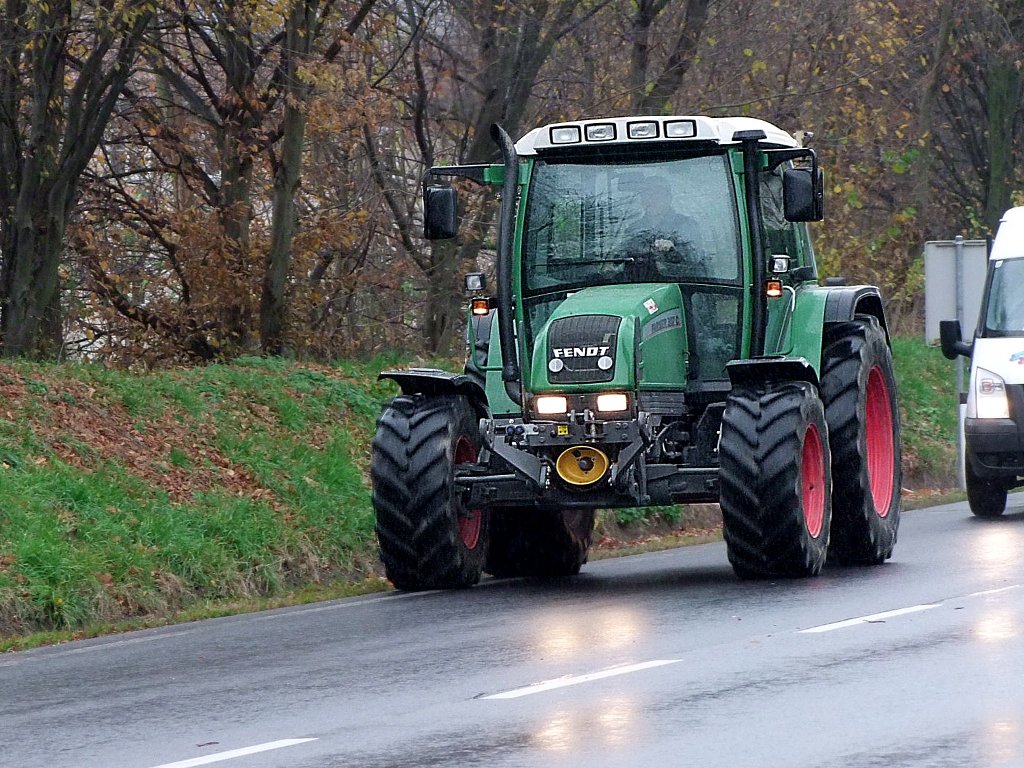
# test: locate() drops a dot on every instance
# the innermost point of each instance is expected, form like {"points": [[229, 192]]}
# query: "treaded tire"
{"points": [[774, 478], [427, 539], [987, 498], [540, 543], [859, 391]]}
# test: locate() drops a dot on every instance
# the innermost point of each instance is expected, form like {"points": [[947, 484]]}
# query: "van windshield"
{"points": [[1005, 315]]}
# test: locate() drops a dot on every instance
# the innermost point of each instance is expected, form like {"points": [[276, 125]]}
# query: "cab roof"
{"points": [[662, 131]]}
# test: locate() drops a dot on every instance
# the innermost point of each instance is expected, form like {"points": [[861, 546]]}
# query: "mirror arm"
{"points": [[472, 172]]}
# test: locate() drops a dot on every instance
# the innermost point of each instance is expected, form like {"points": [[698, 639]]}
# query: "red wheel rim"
{"points": [[880, 441], [812, 475], [470, 521]]}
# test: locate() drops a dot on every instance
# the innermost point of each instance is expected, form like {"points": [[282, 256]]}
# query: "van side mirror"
{"points": [[803, 194], [440, 213], [951, 340]]}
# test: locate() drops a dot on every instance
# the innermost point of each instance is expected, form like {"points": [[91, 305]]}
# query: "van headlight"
{"points": [[987, 396]]}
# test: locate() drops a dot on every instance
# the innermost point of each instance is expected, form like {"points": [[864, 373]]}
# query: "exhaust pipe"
{"points": [[510, 373]]}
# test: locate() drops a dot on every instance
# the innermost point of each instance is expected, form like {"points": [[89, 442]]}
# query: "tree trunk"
{"points": [[658, 96], [286, 183], [1004, 102], [37, 218], [32, 284]]}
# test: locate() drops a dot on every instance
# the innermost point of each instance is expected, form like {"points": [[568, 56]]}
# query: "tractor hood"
{"points": [[612, 337]]}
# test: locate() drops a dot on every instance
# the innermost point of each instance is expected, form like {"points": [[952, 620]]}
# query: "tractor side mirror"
{"points": [[951, 340], [440, 218], [803, 194]]}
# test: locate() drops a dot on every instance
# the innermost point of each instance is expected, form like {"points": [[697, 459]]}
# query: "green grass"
{"points": [[103, 541], [926, 382]]}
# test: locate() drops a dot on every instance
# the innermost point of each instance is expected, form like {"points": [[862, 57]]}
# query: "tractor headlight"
{"points": [[987, 396], [569, 134], [550, 405], [612, 401]]}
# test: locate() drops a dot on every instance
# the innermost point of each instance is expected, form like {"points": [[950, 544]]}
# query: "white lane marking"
{"points": [[993, 591], [901, 611], [56, 652], [218, 756], [871, 618], [345, 602], [563, 682]]}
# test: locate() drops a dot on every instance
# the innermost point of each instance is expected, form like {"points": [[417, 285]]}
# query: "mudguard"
{"points": [[433, 381], [844, 304], [770, 370]]}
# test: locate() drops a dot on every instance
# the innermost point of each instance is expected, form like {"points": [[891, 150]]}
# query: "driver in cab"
{"points": [[659, 244]]}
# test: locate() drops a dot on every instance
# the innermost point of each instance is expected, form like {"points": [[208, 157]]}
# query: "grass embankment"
{"points": [[133, 495], [191, 493], [928, 408]]}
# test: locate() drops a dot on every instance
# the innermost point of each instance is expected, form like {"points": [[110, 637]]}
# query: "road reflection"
{"points": [[996, 625], [1002, 742], [612, 723], [571, 637], [996, 551]]}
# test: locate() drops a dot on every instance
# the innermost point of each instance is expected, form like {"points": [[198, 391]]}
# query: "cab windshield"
{"points": [[1005, 314], [591, 223]]}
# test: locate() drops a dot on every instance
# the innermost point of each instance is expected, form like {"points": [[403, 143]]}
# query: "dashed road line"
{"points": [[231, 754], [881, 617], [564, 682], [869, 618]]}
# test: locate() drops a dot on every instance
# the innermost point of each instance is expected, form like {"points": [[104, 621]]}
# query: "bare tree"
{"points": [[54, 106]]}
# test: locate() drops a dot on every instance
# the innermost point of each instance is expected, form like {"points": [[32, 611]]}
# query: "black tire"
{"points": [[427, 539], [539, 543], [859, 391], [476, 360], [774, 476], [987, 498]]}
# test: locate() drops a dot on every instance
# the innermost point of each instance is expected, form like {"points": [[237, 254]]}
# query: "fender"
{"points": [[770, 370], [433, 381], [844, 304]]}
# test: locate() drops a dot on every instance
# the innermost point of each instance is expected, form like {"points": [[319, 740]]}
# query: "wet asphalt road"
{"points": [[655, 660]]}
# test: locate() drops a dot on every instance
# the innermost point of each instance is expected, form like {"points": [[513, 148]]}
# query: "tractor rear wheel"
{"points": [[774, 476], [427, 538], [859, 390], [987, 498], [540, 543]]}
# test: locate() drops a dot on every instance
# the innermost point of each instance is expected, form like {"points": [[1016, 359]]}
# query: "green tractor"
{"points": [[657, 336]]}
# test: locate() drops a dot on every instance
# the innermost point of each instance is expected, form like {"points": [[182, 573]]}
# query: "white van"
{"points": [[994, 424]]}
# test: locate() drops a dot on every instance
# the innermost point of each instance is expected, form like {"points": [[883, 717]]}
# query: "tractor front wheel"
{"points": [[859, 390], [775, 471], [428, 539], [540, 543]]}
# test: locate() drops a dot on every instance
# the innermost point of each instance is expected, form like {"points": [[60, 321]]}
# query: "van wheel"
{"points": [[987, 498]]}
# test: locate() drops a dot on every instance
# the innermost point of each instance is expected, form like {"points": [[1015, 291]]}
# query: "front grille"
{"points": [[579, 343]]}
